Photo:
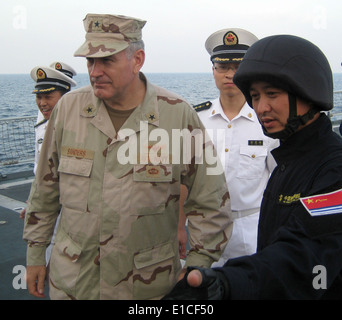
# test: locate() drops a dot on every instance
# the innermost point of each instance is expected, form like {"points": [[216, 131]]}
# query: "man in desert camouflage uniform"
{"points": [[106, 162]]}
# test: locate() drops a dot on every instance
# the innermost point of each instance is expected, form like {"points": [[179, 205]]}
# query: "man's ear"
{"points": [[139, 58]]}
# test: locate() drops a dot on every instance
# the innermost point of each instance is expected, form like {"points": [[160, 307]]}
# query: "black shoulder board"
{"points": [[40, 123], [202, 106]]}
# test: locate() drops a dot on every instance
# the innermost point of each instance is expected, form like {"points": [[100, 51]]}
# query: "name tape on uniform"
{"points": [[255, 142]]}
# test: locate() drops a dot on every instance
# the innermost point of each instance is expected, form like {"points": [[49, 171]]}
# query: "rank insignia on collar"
{"points": [[152, 117], [89, 110], [202, 106]]}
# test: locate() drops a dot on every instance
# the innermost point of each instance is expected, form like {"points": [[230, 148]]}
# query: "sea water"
{"points": [[17, 99]]}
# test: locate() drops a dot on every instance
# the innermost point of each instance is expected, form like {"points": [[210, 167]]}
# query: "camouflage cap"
{"points": [[108, 34]]}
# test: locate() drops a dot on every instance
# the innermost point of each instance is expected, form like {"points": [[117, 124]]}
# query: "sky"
{"points": [[39, 32]]}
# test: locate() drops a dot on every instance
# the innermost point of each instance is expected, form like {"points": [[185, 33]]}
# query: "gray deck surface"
{"points": [[14, 191]]}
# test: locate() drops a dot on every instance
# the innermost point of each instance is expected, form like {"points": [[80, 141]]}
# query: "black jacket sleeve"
{"points": [[285, 268]]}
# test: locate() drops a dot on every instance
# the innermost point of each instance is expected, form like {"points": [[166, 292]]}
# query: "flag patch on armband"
{"points": [[323, 204]]}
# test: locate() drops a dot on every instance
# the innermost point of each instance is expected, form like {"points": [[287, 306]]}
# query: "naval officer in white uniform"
{"points": [[51, 84], [238, 136]]}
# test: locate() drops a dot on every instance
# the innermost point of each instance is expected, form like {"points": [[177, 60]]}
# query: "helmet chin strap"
{"points": [[293, 122]]}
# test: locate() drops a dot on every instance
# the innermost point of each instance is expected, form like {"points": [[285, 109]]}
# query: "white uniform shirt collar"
{"points": [[246, 111]]}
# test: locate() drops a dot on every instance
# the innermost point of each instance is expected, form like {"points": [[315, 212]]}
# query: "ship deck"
{"points": [[14, 191]]}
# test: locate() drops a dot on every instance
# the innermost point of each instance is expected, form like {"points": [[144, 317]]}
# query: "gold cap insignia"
{"points": [[230, 39], [41, 74], [58, 66]]}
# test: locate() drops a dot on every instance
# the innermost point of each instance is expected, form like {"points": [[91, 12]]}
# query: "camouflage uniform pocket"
{"points": [[154, 272], [64, 265], [74, 182], [151, 188]]}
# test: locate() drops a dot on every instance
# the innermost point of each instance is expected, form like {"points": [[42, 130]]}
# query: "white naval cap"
{"points": [[49, 79], [229, 45], [63, 67]]}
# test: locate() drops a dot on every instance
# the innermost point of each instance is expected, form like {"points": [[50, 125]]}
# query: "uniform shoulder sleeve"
{"points": [[202, 106]]}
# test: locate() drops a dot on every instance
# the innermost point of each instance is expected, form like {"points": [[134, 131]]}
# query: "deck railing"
{"points": [[17, 140], [336, 123], [17, 137]]}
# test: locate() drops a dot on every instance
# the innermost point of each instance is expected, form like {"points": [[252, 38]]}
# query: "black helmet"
{"points": [[295, 65], [291, 63]]}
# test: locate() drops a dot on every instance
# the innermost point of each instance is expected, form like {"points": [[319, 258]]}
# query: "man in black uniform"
{"points": [[288, 82]]}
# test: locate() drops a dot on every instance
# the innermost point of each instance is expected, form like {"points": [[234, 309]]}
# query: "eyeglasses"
{"points": [[224, 68]]}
